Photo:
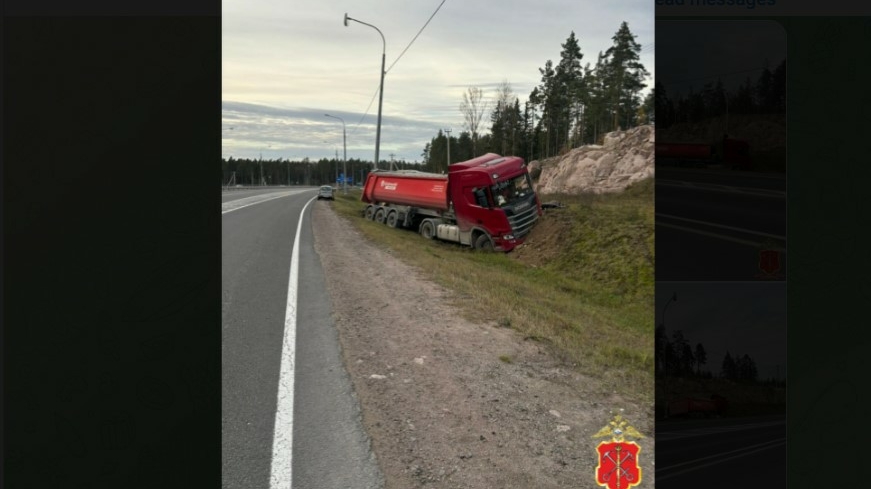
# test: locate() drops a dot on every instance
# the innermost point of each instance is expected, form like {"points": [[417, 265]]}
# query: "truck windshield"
{"points": [[510, 191]]}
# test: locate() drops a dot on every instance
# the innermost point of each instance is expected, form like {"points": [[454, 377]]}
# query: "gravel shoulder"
{"points": [[452, 404]]}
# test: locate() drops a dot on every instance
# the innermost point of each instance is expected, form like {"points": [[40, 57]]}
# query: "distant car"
{"points": [[325, 192]]}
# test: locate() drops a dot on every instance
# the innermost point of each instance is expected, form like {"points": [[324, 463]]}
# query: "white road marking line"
{"points": [[281, 470], [235, 205], [718, 236], [721, 226], [718, 187], [718, 458], [705, 431]]}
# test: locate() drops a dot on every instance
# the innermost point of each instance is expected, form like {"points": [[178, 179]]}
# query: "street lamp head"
{"points": [[346, 19]]}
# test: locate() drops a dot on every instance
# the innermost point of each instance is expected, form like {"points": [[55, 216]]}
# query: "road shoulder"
{"points": [[449, 403]]}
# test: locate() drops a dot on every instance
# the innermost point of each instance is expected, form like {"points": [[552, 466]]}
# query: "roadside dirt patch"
{"points": [[544, 242], [452, 404]]}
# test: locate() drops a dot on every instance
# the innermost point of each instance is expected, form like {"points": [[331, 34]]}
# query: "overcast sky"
{"points": [[287, 63], [738, 317], [692, 53]]}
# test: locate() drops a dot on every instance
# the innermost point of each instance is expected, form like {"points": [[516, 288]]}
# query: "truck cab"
{"points": [[494, 195]]}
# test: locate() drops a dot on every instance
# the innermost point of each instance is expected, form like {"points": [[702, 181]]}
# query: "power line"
{"points": [[367, 111], [418, 33], [394, 62]]}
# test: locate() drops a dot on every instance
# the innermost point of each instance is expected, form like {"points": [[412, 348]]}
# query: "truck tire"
{"points": [[483, 243], [370, 212], [392, 219], [380, 214], [427, 229]]}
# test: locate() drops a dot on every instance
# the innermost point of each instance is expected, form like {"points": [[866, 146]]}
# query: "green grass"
{"points": [[589, 295]]}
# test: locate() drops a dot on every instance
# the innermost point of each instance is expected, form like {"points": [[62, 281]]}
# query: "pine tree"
{"points": [[572, 92], [647, 112], [503, 120], [744, 103], [599, 115], [687, 360], [764, 94], [547, 95], [625, 77], [683, 352], [728, 367], [701, 358], [779, 87]]}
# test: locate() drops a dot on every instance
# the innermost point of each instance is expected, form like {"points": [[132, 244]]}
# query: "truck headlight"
{"points": [[508, 236]]}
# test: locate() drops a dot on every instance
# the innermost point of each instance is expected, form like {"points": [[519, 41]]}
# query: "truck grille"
{"points": [[521, 222]]}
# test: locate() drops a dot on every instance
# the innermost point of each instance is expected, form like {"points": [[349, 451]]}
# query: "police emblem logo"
{"points": [[770, 260], [618, 466]]}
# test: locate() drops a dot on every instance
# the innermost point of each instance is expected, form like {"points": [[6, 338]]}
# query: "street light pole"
{"points": [[380, 90], [448, 132], [344, 154]]}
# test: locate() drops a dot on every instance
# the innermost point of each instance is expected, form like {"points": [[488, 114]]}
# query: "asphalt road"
{"points": [[720, 226], [329, 446], [721, 453]]}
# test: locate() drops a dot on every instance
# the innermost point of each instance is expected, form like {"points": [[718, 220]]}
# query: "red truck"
{"points": [[689, 406], [487, 202], [735, 154]]}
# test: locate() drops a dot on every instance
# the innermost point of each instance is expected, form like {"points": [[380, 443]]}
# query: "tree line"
{"points": [[325, 171], [676, 357], [765, 95], [573, 105]]}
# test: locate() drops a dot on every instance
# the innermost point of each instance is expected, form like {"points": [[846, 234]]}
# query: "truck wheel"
{"points": [[379, 215], [427, 229], [370, 212], [483, 243], [392, 219]]}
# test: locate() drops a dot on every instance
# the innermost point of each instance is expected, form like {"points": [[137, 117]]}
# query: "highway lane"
{"points": [[715, 226], [721, 453], [774, 182], [329, 447]]}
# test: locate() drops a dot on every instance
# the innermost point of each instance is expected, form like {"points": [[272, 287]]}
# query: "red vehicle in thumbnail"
{"points": [[689, 406], [487, 202], [735, 154]]}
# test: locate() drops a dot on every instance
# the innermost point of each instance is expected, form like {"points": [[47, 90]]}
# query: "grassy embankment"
{"points": [[583, 283]]}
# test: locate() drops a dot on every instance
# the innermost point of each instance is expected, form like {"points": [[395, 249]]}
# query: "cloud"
{"points": [[300, 132], [289, 56]]}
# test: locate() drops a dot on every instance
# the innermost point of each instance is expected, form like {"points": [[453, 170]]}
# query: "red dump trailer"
{"points": [[735, 154], [689, 406], [685, 151], [487, 202]]}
